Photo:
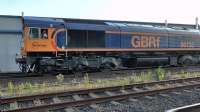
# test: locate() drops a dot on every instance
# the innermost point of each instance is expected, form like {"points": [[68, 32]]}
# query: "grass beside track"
{"points": [[149, 76]]}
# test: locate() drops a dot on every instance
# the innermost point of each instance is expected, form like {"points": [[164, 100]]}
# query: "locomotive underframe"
{"points": [[84, 61]]}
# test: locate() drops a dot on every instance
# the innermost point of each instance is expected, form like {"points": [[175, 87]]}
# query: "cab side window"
{"points": [[37, 33], [44, 33], [34, 33]]}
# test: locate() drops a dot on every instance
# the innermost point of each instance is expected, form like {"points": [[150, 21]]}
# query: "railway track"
{"points": [[18, 75], [139, 69], [92, 97]]}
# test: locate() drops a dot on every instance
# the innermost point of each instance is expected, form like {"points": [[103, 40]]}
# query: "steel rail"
{"points": [[187, 108]]}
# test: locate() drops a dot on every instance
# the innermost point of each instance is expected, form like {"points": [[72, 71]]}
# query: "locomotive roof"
{"points": [[42, 21], [102, 25]]}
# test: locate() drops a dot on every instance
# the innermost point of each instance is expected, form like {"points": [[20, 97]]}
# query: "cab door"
{"points": [[61, 39]]}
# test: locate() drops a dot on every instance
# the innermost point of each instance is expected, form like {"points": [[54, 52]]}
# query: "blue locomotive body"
{"points": [[149, 41], [152, 37]]}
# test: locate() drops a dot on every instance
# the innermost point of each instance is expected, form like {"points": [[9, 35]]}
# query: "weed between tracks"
{"points": [[28, 88]]}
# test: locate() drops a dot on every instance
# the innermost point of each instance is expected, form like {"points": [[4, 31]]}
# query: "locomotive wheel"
{"points": [[80, 67], [108, 65], [187, 62]]}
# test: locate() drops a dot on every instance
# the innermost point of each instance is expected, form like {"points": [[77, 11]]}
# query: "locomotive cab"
{"points": [[37, 40], [42, 38]]}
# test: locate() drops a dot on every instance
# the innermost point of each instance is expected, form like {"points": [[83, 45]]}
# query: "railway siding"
{"points": [[99, 95]]}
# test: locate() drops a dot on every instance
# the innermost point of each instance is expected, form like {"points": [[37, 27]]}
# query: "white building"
{"points": [[10, 42]]}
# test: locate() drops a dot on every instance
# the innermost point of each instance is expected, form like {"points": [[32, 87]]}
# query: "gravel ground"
{"points": [[155, 103]]}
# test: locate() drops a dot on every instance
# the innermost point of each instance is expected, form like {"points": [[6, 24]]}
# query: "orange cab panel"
{"points": [[35, 41]]}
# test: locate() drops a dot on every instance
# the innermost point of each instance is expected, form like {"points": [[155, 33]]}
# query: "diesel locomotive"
{"points": [[59, 44]]}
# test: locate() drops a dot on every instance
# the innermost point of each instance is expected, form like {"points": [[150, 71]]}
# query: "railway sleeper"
{"points": [[70, 110], [77, 97], [14, 105]]}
